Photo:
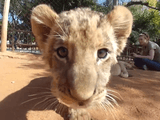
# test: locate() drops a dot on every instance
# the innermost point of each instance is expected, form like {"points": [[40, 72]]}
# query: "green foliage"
{"points": [[102, 9], [57, 5], [20, 10], [152, 2], [158, 5], [145, 20]]}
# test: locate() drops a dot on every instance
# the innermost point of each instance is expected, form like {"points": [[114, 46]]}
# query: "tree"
{"points": [[141, 3], [115, 2], [145, 20], [20, 10]]}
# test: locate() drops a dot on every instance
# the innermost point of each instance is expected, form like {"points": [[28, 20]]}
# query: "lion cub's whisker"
{"points": [[39, 103], [62, 109], [119, 97], [39, 94], [106, 102], [55, 108], [59, 107], [112, 99], [112, 91], [40, 88], [101, 106], [110, 108], [57, 34], [44, 100], [61, 28], [52, 103], [36, 99]]}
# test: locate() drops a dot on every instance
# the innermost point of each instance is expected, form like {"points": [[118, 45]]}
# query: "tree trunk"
{"points": [[115, 2], [12, 41], [4, 26]]}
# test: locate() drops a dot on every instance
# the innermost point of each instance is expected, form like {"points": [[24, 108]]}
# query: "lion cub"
{"points": [[120, 69], [80, 46]]}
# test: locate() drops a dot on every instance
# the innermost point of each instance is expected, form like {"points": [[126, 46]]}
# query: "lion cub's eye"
{"points": [[102, 53], [62, 52]]}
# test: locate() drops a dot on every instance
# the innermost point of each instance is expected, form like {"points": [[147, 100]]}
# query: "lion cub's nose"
{"points": [[81, 96], [82, 81]]}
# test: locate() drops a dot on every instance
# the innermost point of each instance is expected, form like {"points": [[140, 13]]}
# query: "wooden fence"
{"points": [[25, 41], [21, 40]]}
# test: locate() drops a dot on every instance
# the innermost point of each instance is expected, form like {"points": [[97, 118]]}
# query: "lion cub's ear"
{"points": [[121, 20], [42, 20]]}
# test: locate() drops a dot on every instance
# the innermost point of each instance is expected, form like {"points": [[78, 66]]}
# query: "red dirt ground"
{"points": [[23, 74]]}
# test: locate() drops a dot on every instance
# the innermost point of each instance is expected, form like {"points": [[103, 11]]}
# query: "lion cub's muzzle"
{"points": [[82, 82]]}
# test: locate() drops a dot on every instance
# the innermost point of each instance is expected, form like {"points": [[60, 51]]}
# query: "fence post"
{"points": [[4, 26]]}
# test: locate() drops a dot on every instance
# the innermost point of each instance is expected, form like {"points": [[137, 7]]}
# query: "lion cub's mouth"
{"points": [[66, 99]]}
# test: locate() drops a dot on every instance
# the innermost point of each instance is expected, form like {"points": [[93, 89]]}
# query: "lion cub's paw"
{"points": [[78, 114]]}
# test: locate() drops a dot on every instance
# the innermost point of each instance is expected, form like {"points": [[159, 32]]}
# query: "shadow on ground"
{"points": [[16, 105], [146, 82]]}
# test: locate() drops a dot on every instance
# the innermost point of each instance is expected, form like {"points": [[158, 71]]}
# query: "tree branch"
{"points": [[141, 3]]}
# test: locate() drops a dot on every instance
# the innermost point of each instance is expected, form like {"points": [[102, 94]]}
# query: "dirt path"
{"points": [[22, 77]]}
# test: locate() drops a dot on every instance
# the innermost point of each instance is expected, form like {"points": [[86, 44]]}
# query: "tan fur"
{"points": [[120, 69], [79, 80]]}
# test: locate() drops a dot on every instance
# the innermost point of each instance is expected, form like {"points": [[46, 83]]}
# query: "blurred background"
{"points": [[20, 38]]}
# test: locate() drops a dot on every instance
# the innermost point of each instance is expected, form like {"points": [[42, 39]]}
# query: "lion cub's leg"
{"points": [[78, 114], [124, 72]]}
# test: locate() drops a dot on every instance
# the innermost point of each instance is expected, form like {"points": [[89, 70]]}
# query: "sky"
{"points": [[101, 1]]}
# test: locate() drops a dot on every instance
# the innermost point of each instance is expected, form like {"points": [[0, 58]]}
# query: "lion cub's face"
{"points": [[80, 46]]}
